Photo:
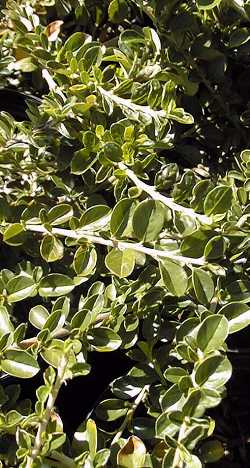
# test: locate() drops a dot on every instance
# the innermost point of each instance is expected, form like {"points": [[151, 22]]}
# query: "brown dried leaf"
{"points": [[53, 30]]}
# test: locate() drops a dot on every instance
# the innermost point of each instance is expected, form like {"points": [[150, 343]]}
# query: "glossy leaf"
{"points": [[60, 214], [121, 219], [53, 354], [218, 201], [55, 285], [215, 248], [51, 249], [14, 235], [38, 316], [19, 364], [237, 314], [203, 285], [174, 277], [212, 333], [120, 262], [5, 322], [148, 220], [213, 372], [20, 287], [104, 339], [85, 261], [95, 217], [112, 409]]}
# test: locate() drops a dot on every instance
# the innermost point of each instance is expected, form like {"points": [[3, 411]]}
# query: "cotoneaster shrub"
{"points": [[125, 217]]}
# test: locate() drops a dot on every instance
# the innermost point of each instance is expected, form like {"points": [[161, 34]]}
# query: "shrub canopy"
{"points": [[124, 217]]}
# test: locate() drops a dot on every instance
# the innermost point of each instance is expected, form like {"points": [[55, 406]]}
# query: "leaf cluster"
{"points": [[124, 220]]}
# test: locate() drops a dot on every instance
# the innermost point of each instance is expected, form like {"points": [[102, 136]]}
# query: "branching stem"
{"points": [[48, 411], [165, 200], [130, 413], [61, 333], [177, 462], [121, 245]]}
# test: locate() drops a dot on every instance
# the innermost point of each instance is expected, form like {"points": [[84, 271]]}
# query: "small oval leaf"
{"points": [[19, 364]]}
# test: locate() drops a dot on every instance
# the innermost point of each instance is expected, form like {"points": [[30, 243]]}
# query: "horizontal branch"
{"points": [[128, 104], [121, 245], [61, 333], [165, 200]]}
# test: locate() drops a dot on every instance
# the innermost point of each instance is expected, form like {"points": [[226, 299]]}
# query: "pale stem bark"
{"points": [[129, 414], [131, 105], [165, 200], [48, 411], [177, 462], [61, 333], [121, 245]]}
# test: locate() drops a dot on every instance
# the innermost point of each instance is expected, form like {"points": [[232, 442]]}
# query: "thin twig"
{"points": [[121, 245], [177, 462], [165, 200], [61, 333], [48, 411], [130, 413]]}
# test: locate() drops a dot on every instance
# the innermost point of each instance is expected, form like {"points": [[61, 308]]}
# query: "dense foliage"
{"points": [[125, 223]]}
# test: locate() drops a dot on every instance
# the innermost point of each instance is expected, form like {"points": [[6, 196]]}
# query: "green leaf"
{"points": [[38, 316], [85, 261], [239, 37], [121, 219], [171, 398], [218, 201], [102, 458], [57, 440], [104, 339], [212, 333], [112, 152], [120, 262], [92, 55], [19, 364], [55, 321], [144, 427], [237, 314], [55, 284], [148, 220], [190, 406], [174, 374], [181, 116], [174, 277], [14, 234], [95, 217], [20, 288], [193, 245], [215, 248], [207, 4], [74, 42], [238, 291], [51, 248], [60, 214], [82, 161], [212, 451], [203, 285], [213, 372], [54, 352], [82, 320], [112, 409], [164, 426], [92, 436], [5, 322], [118, 11]]}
